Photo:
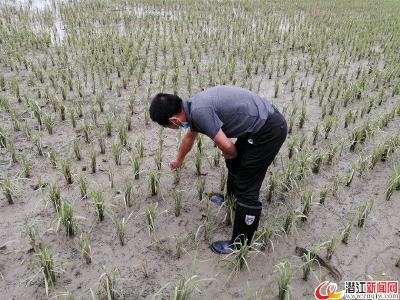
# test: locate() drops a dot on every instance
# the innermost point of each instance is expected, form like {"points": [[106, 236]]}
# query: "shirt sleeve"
{"points": [[207, 121]]}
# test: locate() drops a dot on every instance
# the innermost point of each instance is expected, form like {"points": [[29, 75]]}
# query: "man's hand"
{"points": [[228, 155], [224, 143], [174, 164]]}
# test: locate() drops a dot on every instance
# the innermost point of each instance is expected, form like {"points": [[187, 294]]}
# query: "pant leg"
{"points": [[256, 158], [233, 168]]}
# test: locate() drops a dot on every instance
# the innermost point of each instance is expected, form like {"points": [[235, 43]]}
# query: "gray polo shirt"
{"points": [[235, 110]]}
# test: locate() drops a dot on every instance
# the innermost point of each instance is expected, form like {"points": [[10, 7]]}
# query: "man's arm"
{"points": [[186, 145], [227, 147]]}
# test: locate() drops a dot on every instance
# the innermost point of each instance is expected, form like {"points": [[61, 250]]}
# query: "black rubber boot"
{"points": [[244, 226]]}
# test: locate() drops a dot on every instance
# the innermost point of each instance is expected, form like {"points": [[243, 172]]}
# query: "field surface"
{"points": [[89, 208]]}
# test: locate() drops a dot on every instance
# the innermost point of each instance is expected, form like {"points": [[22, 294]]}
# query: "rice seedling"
{"points": [[198, 161], [102, 143], [330, 247], [393, 184], [364, 211], [350, 176], [265, 234], [52, 158], [345, 234], [230, 204], [48, 122], [238, 259], [289, 221], [47, 267], [331, 152], [100, 101], [86, 130], [185, 288], [117, 151], [120, 227], [349, 118], [110, 178], [303, 115], [322, 195], [158, 158], [154, 182], [72, 115], [285, 277], [108, 284], [85, 247], [306, 204], [83, 187], [3, 138], [315, 134], [55, 197], [11, 149], [328, 124], [151, 215], [127, 192], [93, 158], [31, 232], [316, 161], [178, 197], [201, 184], [67, 171], [77, 150], [122, 134], [7, 189], [66, 218], [139, 147], [98, 202], [37, 142], [108, 126], [26, 166]]}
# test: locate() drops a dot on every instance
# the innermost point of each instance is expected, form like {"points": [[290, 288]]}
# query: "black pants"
{"points": [[255, 153]]}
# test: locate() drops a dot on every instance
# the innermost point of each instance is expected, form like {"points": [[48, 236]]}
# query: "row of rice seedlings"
{"points": [[393, 183], [178, 197]]}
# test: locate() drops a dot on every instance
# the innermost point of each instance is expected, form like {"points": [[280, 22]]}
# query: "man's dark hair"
{"points": [[164, 106]]}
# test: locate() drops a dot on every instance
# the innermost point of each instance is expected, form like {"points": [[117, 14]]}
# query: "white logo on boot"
{"points": [[249, 219]]}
